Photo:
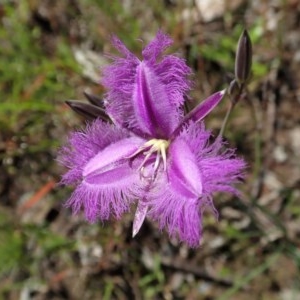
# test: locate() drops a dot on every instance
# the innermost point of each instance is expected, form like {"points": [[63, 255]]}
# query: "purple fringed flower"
{"points": [[152, 154]]}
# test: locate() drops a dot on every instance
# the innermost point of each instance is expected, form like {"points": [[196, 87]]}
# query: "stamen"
{"points": [[147, 156], [164, 157], [157, 161], [153, 146]]}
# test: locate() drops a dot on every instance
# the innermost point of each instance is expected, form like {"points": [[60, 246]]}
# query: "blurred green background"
{"points": [[51, 51]]}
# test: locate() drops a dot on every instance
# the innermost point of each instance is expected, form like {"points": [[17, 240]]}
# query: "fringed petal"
{"points": [[196, 169], [176, 200], [154, 113], [156, 47], [119, 80], [182, 170], [146, 97], [83, 145], [171, 70], [219, 166], [105, 195], [113, 155], [180, 216], [99, 165]]}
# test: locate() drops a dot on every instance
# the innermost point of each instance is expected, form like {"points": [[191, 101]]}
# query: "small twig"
{"points": [[187, 268], [235, 92], [225, 121]]}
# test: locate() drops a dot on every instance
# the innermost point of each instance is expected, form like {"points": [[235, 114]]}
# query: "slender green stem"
{"points": [[235, 92], [225, 121]]}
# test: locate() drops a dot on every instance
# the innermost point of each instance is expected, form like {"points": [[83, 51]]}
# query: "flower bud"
{"points": [[243, 59]]}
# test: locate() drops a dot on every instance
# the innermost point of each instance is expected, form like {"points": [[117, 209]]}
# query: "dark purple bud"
{"points": [[243, 59], [88, 110], [94, 99]]}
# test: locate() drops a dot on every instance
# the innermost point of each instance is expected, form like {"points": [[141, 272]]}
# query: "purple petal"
{"points": [[196, 170], [119, 45], [222, 172], [82, 146], [154, 113], [183, 172], [111, 156], [98, 164], [105, 195], [155, 48], [201, 110], [176, 200], [139, 217], [177, 214], [171, 70], [220, 168], [146, 97], [110, 178], [119, 80], [108, 182]]}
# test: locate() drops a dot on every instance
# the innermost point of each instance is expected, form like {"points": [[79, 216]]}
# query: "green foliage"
{"points": [[222, 50], [47, 241], [243, 281], [109, 286], [153, 283], [28, 77], [11, 245]]}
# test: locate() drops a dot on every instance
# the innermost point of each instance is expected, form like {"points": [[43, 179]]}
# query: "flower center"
{"points": [[154, 146]]}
